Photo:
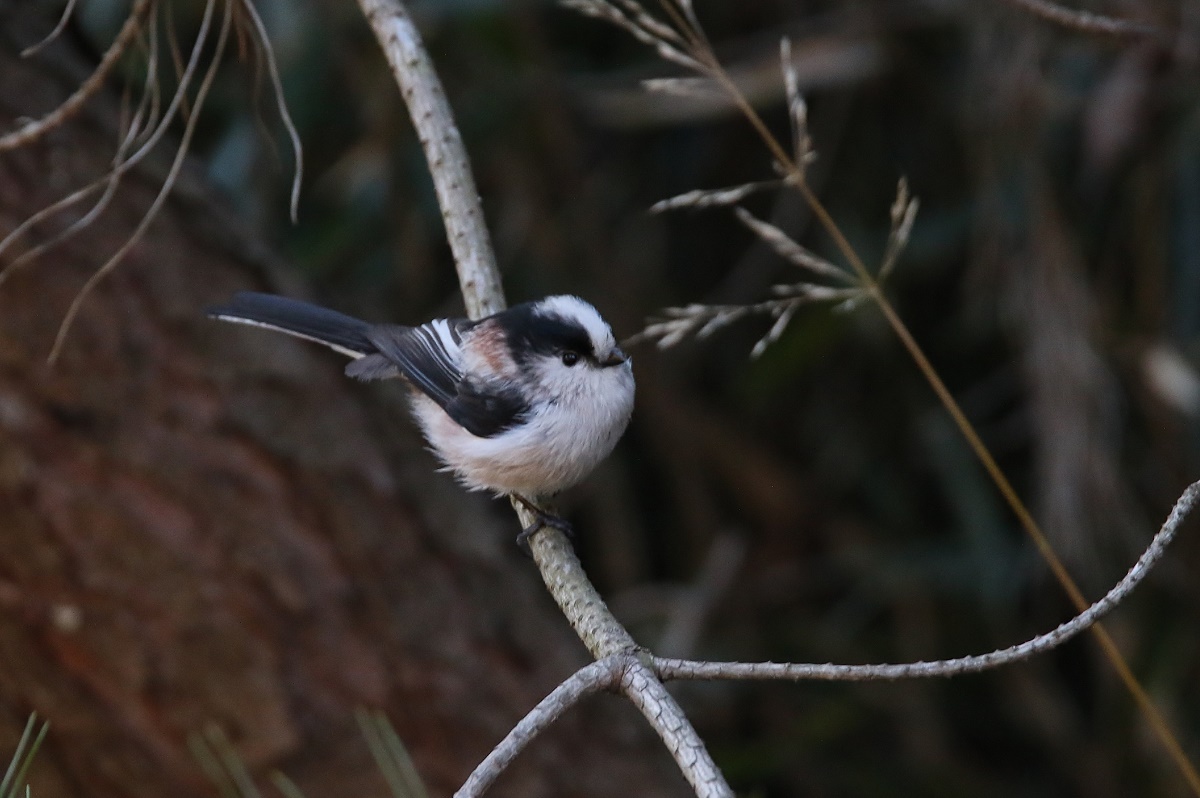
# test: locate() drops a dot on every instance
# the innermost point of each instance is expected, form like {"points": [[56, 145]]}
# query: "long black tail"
{"points": [[346, 334]]}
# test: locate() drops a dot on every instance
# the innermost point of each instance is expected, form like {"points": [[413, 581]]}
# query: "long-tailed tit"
{"points": [[524, 403]]}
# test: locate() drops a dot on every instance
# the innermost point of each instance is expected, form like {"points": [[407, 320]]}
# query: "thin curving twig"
{"points": [[277, 85], [119, 169], [69, 10], [35, 128], [669, 668], [177, 164], [143, 122], [603, 674]]}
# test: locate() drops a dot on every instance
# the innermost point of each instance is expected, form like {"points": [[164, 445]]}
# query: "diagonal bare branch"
{"points": [[575, 595], [482, 294], [449, 164], [641, 685]]}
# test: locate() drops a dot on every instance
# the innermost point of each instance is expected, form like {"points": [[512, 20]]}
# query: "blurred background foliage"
{"points": [[816, 504]]}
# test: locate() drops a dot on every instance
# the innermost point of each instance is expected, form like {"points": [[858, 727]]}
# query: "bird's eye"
{"points": [[570, 358]]}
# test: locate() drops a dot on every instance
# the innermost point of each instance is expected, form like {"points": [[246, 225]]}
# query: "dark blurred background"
{"points": [[817, 504]]}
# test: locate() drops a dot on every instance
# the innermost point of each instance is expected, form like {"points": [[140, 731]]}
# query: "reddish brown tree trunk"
{"points": [[202, 524]]}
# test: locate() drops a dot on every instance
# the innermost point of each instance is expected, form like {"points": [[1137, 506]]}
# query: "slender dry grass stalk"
{"points": [[1085, 21], [678, 323], [621, 664], [390, 755], [220, 762], [13, 783]]}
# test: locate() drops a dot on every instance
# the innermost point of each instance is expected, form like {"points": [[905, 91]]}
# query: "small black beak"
{"points": [[614, 357]]}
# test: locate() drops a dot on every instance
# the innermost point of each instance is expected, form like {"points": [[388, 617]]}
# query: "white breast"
{"points": [[575, 427]]}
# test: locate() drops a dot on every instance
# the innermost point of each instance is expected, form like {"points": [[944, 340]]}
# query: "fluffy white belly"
{"points": [[554, 449]]}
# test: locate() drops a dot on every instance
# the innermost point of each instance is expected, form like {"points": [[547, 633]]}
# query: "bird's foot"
{"points": [[541, 518]]}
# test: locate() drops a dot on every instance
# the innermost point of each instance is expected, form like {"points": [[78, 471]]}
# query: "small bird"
{"points": [[523, 403]]}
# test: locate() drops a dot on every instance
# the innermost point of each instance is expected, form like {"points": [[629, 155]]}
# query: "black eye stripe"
{"points": [[543, 334]]}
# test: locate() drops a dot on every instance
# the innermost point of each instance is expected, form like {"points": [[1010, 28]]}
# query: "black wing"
{"points": [[430, 356], [485, 411]]}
